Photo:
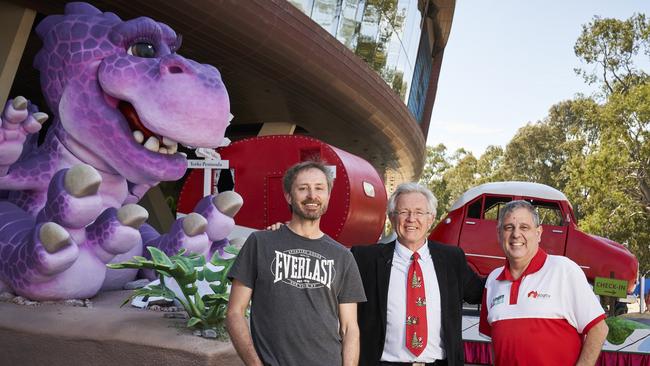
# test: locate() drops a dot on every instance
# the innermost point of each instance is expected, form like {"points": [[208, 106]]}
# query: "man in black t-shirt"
{"points": [[304, 285]]}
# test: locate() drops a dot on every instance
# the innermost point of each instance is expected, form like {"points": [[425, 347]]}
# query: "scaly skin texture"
{"points": [[66, 206]]}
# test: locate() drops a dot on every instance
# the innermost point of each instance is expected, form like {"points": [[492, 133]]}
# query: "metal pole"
{"points": [[642, 295]]}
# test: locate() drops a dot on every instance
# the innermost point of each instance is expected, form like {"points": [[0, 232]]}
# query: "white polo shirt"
{"points": [[540, 318], [395, 344]]}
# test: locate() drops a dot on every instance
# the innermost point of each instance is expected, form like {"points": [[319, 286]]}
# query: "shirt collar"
{"points": [[406, 253], [535, 265]]}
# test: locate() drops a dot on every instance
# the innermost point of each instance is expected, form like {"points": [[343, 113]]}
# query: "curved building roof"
{"points": [[280, 66]]}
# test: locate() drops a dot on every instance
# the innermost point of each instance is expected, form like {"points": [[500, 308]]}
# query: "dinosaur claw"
{"points": [[132, 215], [194, 224], [19, 103], [40, 117], [228, 203], [82, 180], [53, 237]]}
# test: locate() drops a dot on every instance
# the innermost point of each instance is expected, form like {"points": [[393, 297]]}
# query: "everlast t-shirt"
{"points": [[297, 285]]}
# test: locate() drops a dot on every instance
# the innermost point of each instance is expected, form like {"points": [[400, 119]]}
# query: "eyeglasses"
{"points": [[406, 214]]}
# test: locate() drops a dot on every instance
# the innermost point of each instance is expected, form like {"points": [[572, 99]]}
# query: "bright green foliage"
{"points": [[621, 328], [207, 311]]}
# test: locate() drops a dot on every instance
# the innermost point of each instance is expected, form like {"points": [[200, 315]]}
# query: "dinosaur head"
{"points": [[124, 97]]}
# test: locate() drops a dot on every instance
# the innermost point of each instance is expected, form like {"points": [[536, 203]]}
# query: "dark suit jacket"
{"points": [[456, 280]]}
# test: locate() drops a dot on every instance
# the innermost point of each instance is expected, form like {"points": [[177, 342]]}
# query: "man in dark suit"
{"points": [[398, 324]]}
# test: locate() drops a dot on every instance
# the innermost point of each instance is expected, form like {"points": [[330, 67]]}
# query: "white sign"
{"points": [[208, 164]]}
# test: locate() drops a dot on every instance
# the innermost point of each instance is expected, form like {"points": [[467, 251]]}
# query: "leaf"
{"points": [[218, 289], [219, 262], [231, 249], [185, 265], [193, 321], [210, 275], [124, 265], [159, 257]]}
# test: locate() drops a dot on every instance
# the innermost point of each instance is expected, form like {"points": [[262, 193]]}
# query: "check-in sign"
{"points": [[610, 287]]}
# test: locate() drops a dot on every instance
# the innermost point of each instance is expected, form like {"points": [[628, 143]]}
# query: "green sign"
{"points": [[610, 287]]}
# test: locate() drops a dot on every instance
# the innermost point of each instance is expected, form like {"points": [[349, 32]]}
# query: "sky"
{"points": [[507, 62]]}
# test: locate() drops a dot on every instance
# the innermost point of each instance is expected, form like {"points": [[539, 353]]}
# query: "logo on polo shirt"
{"points": [[496, 301], [538, 295], [303, 268]]}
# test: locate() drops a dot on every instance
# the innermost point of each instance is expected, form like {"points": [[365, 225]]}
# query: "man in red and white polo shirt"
{"points": [[538, 309]]}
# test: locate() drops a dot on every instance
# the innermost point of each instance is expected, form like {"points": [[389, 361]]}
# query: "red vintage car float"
{"points": [[472, 219]]}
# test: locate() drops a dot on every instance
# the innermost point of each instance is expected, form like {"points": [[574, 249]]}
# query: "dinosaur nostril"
{"points": [[175, 70]]}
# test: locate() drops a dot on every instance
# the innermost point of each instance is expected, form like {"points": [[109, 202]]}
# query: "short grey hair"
{"points": [[513, 205], [412, 187]]}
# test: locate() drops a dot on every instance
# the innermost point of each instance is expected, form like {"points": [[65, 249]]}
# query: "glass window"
{"points": [[385, 34], [493, 205], [350, 23], [304, 5], [474, 209], [549, 212], [326, 13]]}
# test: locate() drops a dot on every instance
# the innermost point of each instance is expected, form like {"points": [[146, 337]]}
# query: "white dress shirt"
{"points": [[395, 344]]}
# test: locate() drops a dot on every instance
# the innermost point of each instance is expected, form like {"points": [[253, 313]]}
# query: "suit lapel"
{"points": [[383, 265], [440, 266]]}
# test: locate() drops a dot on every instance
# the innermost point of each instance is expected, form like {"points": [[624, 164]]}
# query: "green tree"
{"points": [[611, 46], [534, 154], [611, 181], [461, 176], [436, 164]]}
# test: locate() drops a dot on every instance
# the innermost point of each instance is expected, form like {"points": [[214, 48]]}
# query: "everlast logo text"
{"points": [[303, 269]]}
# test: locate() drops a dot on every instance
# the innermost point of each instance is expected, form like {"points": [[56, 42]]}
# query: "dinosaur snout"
{"points": [[175, 64]]}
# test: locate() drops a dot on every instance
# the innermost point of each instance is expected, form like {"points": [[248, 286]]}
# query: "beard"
{"points": [[311, 215]]}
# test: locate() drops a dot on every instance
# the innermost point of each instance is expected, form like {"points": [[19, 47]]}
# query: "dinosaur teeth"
{"points": [[152, 144], [184, 154], [168, 142], [138, 136], [168, 146]]}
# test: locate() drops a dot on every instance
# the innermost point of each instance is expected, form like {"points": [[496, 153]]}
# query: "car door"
{"points": [[478, 236]]}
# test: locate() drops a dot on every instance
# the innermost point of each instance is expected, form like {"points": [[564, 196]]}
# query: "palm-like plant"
{"points": [[205, 312]]}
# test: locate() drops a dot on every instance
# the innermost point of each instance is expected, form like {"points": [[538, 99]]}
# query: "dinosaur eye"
{"points": [[142, 49]]}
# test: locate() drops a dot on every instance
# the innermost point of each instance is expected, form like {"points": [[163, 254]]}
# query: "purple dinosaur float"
{"points": [[122, 100]]}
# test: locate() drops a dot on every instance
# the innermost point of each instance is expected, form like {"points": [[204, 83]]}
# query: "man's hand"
{"points": [[350, 333], [593, 344], [276, 226], [236, 323]]}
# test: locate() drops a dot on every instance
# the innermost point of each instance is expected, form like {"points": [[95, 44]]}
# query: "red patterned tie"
{"points": [[416, 309]]}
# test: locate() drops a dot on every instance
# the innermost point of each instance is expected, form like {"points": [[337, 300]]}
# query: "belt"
{"points": [[434, 363]]}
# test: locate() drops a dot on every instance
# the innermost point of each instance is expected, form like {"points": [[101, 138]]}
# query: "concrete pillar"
{"points": [[277, 128], [15, 25]]}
